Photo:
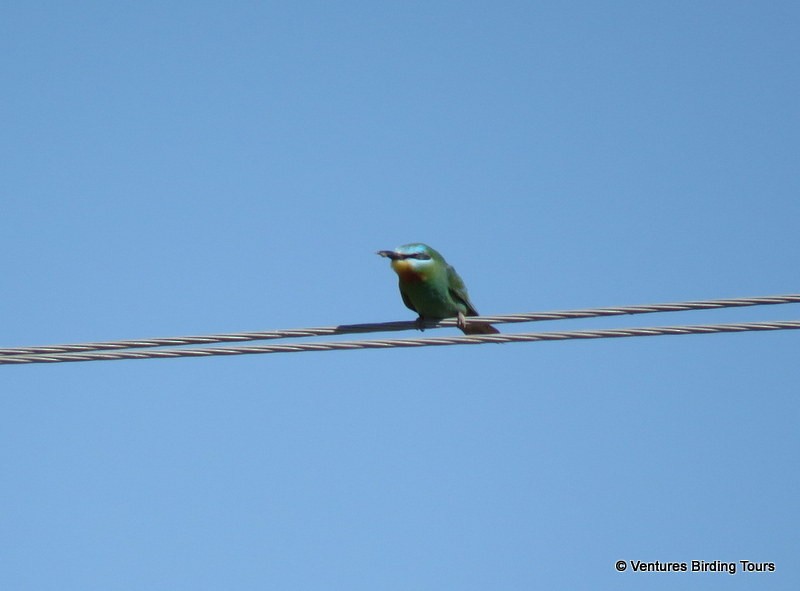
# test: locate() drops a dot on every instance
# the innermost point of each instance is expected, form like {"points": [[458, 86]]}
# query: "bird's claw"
{"points": [[461, 322]]}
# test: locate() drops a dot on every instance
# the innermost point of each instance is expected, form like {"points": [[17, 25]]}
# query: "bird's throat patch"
{"points": [[406, 272]]}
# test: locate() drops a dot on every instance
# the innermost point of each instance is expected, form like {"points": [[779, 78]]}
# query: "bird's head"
{"points": [[413, 261]]}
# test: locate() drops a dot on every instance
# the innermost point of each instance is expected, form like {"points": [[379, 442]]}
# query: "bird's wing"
{"points": [[458, 291]]}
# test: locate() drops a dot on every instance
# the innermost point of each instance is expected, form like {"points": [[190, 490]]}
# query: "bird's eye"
{"points": [[422, 256]]}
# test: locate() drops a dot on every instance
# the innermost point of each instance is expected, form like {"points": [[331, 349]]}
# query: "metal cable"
{"points": [[402, 325], [392, 343]]}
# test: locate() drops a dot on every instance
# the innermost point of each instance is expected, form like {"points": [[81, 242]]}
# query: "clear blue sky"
{"points": [[172, 168]]}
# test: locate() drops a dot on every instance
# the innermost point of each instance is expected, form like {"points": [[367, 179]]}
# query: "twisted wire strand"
{"points": [[393, 343], [401, 325]]}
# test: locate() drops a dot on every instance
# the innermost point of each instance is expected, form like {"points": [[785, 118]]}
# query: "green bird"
{"points": [[432, 288]]}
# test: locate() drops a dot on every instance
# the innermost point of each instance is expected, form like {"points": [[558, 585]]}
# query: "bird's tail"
{"points": [[479, 329]]}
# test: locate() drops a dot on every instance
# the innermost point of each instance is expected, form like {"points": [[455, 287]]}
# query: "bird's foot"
{"points": [[420, 322], [461, 322]]}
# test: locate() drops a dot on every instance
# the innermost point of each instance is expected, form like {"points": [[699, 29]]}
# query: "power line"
{"points": [[393, 343], [398, 326]]}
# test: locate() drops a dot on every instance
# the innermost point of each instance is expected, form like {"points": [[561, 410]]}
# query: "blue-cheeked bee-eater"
{"points": [[432, 288]]}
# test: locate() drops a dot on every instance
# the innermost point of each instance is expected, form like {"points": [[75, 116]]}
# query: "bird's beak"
{"points": [[390, 254]]}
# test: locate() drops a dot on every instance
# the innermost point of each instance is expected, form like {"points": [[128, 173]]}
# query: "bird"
{"points": [[432, 288]]}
